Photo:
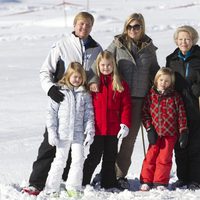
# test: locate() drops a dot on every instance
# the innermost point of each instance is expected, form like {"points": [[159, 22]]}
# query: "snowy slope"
{"points": [[27, 30]]}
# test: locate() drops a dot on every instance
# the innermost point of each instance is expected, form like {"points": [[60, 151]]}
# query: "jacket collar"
{"points": [[168, 92], [184, 57], [105, 79], [194, 52], [120, 41], [89, 42], [79, 89]]}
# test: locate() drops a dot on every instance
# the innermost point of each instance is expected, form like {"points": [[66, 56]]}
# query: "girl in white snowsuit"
{"points": [[70, 124]]}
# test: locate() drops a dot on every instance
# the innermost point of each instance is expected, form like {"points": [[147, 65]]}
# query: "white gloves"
{"points": [[89, 139], [53, 139], [123, 132]]}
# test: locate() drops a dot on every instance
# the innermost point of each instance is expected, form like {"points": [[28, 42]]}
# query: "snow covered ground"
{"points": [[27, 30]]}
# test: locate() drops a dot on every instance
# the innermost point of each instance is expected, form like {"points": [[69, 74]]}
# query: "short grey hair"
{"points": [[190, 30]]}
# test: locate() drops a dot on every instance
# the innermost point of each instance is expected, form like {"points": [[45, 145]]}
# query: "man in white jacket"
{"points": [[80, 47]]}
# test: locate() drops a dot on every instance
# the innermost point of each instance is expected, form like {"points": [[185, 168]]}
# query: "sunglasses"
{"points": [[135, 27]]}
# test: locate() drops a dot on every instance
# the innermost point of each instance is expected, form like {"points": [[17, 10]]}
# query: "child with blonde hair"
{"points": [[112, 111], [165, 120], [70, 124]]}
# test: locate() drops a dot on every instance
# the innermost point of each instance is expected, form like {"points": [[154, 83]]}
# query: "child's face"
{"points": [[76, 79], [163, 82], [106, 66]]}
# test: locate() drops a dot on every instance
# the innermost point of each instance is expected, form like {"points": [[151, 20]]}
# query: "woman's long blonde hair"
{"points": [[116, 83], [73, 67]]}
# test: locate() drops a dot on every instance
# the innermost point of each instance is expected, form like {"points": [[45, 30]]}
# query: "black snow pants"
{"points": [[104, 147], [188, 159]]}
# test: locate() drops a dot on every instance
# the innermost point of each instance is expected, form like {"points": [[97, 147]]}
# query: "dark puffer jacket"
{"points": [[187, 73], [138, 66]]}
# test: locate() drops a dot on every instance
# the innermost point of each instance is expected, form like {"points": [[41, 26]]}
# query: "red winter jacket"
{"points": [[165, 112], [111, 108]]}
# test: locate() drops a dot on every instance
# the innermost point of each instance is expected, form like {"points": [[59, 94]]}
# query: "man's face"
{"points": [[83, 28]]}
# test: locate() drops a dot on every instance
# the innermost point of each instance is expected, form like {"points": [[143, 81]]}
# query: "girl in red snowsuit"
{"points": [[164, 118], [112, 111]]}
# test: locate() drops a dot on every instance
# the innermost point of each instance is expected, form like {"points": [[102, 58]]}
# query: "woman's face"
{"points": [[134, 30], [184, 42]]}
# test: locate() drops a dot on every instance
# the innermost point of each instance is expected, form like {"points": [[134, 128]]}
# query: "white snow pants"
{"points": [[74, 180]]}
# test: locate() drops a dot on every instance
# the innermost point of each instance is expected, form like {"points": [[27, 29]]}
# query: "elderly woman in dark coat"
{"points": [[185, 62], [135, 55]]}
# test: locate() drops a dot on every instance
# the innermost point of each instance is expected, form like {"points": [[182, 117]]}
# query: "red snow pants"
{"points": [[158, 161]]}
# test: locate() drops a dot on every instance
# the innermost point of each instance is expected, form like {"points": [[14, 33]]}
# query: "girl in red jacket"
{"points": [[112, 111], [164, 118]]}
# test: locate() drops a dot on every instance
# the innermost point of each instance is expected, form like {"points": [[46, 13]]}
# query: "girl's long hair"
{"points": [[116, 83]]}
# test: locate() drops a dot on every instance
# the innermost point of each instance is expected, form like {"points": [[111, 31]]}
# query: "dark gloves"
{"points": [[183, 139], [196, 90], [152, 135], [55, 94]]}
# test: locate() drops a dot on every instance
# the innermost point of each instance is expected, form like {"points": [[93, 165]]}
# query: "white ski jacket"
{"points": [[73, 117], [70, 49]]}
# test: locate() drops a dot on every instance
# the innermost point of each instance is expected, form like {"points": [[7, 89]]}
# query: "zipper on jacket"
{"points": [[106, 101], [83, 53], [159, 117]]}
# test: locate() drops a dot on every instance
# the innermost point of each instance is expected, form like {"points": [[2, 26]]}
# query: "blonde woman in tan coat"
{"points": [[135, 55]]}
